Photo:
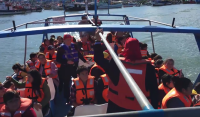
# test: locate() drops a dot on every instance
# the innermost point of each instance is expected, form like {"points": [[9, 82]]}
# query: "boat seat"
{"points": [[51, 87], [38, 113], [90, 109]]}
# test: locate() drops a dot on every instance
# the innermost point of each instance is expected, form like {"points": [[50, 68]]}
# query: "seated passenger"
{"points": [[99, 22], [119, 45], [157, 57], [151, 58], [32, 61], [83, 90], [111, 37], [14, 106], [166, 85], [59, 41], [96, 70], [44, 46], [180, 95], [84, 20], [51, 55], [144, 52], [168, 68], [196, 93], [20, 72], [35, 83], [83, 44], [47, 68]]}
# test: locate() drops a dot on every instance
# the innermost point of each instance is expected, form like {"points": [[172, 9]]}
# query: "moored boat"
{"points": [[8, 9]]}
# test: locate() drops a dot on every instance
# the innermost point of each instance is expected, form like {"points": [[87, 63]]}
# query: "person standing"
{"points": [[68, 56]]}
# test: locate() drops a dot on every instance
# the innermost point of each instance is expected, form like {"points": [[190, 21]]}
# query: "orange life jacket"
{"points": [[120, 48], [19, 75], [89, 58], [162, 87], [45, 48], [121, 94], [83, 95], [157, 76], [105, 91], [86, 47], [95, 65], [25, 104], [174, 93], [113, 37], [170, 72], [47, 68], [53, 58], [197, 104], [143, 52], [31, 65], [29, 93]]}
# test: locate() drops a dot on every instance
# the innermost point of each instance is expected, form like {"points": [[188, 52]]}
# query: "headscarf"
{"points": [[132, 50]]}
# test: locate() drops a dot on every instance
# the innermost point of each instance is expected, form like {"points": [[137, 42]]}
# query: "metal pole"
{"points": [[108, 6], [152, 38], [95, 11], [86, 6], [141, 98], [25, 48]]}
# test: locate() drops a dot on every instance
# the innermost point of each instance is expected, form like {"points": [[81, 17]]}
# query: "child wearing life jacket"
{"points": [[166, 85], [144, 52], [180, 95], [16, 106], [77, 97], [44, 46], [119, 45], [20, 72]]}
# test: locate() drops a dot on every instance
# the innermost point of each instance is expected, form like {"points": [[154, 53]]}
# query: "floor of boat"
{"points": [[60, 107]]}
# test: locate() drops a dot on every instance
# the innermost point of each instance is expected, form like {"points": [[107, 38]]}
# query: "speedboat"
{"points": [[57, 104]]}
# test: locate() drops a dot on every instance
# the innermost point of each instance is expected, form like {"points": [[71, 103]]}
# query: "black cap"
{"points": [[50, 47]]}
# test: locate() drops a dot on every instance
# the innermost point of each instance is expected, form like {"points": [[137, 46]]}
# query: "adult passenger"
{"points": [[99, 22], [14, 106], [120, 96], [180, 95], [20, 72], [36, 88], [44, 46], [68, 56], [119, 45], [166, 85], [32, 61], [168, 68], [83, 44]]}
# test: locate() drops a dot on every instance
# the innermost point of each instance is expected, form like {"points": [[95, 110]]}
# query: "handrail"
{"points": [[171, 112], [141, 98], [90, 20]]}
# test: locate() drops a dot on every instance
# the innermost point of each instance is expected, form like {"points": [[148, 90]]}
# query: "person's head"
{"points": [[84, 37], [51, 41], [46, 42], [67, 38], [167, 81], [197, 88], [42, 58], [143, 46], [52, 37], [82, 73], [158, 63], [33, 56], [184, 85], [51, 49], [84, 18], [35, 78], [9, 85], [169, 63], [121, 40], [2, 90], [16, 67], [60, 39], [132, 50], [153, 55], [157, 57], [12, 100]]}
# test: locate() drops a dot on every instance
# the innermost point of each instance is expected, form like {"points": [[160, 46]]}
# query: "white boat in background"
{"points": [[8, 9], [114, 4]]}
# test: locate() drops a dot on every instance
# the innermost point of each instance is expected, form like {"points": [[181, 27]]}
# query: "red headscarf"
{"points": [[132, 50]]}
